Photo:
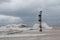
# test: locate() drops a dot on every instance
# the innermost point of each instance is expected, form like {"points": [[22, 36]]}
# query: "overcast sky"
{"points": [[26, 11]]}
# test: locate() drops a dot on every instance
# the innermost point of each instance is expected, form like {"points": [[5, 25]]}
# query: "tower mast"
{"points": [[40, 21]]}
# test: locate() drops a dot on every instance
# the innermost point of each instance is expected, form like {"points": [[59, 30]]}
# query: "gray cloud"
{"points": [[52, 8], [9, 20], [29, 9], [3, 1]]}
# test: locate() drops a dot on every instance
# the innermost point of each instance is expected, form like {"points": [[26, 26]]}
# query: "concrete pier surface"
{"points": [[53, 34]]}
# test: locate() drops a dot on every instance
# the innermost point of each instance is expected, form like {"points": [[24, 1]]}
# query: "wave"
{"points": [[44, 25], [13, 29]]}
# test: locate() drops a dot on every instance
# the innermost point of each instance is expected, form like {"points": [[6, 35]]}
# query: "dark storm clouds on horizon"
{"points": [[51, 11]]}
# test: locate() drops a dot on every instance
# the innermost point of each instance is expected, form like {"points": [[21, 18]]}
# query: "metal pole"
{"points": [[40, 21]]}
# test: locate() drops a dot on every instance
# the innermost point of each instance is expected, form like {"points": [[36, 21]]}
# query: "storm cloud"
{"points": [[2, 1], [28, 10]]}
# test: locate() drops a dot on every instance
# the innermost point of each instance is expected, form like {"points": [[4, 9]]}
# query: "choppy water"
{"points": [[53, 34], [15, 29], [12, 33]]}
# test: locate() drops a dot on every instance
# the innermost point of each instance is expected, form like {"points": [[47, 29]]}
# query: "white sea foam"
{"points": [[44, 25], [14, 28]]}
